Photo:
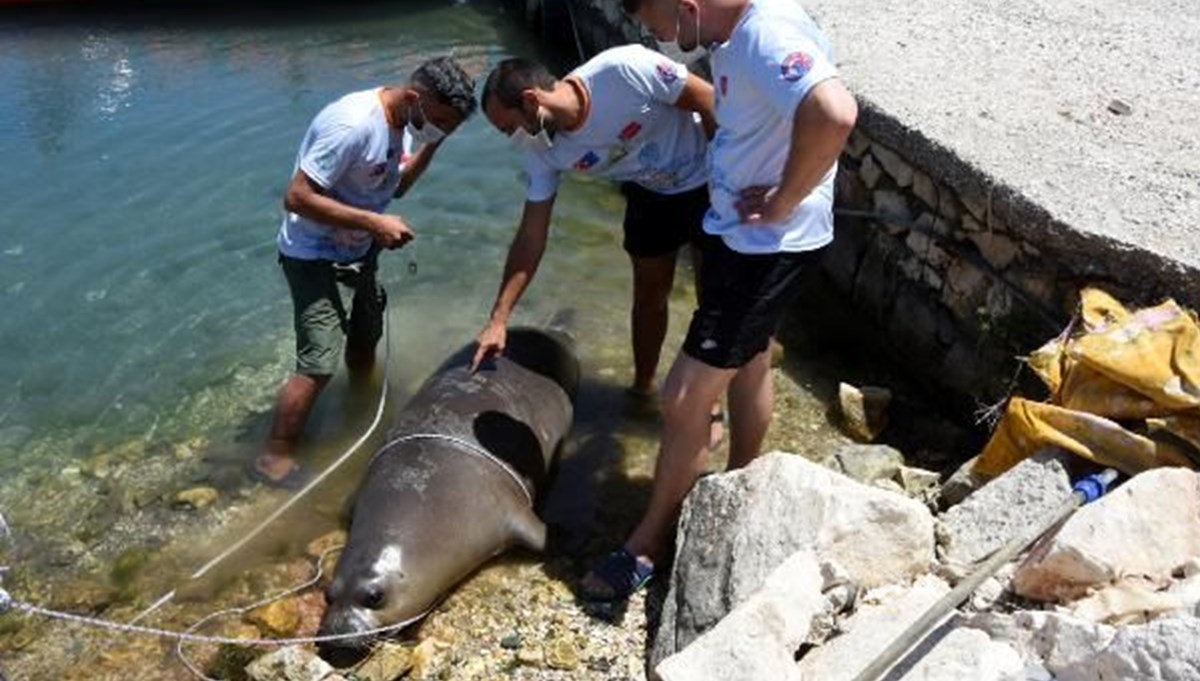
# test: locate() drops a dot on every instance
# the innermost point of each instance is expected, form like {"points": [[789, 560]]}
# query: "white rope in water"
{"points": [[467, 445], [312, 484], [7, 602], [317, 574]]}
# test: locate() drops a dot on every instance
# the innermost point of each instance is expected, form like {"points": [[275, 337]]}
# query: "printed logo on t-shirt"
{"points": [[666, 73], [587, 161], [629, 131], [724, 85], [378, 169], [795, 66]]}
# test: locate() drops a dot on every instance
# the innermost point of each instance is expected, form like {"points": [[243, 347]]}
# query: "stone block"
{"points": [[870, 171], [858, 143], [1149, 526], [864, 411], [998, 249], [925, 189], [949, 207], [894, 206], [1163, 650], [1002, 509], [895, 166]]}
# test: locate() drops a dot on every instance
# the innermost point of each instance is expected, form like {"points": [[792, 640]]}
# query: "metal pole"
{"points": [[1087, 490]]}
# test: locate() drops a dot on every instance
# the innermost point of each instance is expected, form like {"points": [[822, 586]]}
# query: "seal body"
{"points": [[455, 483]]}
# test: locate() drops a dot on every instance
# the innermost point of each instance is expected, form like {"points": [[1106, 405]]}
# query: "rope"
{"points": [[318, 572], [467, 445], [312, 484]]}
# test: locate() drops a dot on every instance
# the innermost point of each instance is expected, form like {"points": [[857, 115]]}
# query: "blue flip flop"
{"points": [[622, 573], [294, 479]]}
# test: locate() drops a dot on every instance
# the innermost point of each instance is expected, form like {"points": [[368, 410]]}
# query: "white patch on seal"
{"points": [[390, 561]]}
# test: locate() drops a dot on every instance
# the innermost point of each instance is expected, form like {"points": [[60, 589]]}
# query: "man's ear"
{"points": [[530, 100]]}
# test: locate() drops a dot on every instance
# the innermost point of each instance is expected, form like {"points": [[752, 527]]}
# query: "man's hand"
{"points": [[491, 343], [391, 232], [762, 205]]}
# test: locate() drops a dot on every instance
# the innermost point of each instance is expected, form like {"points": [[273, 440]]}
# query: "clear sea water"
{"points": [[144, 154]]}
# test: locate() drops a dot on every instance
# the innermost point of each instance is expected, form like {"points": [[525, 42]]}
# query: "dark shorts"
{"points": [[742, 298], [658, 224], [320, 317]]}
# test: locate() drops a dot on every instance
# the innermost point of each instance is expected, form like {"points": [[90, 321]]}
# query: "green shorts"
{"points": [[320, 317]]}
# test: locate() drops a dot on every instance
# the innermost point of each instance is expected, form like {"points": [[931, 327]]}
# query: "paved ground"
{"points": [[1021, 89]]}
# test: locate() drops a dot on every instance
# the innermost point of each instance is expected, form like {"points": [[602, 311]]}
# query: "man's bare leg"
{"points": [[688, 395], [652, 282], [750, 399], [292, 406]]}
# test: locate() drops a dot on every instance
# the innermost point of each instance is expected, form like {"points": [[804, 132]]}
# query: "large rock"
{"points": [[1149, 526], [1077, 650], [962, 654], [1164, 650], [1025, 496], [758, 640], [1057, 642], [736, 528], [880, 619]]}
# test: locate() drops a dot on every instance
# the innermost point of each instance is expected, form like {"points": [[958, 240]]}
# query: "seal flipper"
{"points": [[528, 530]]}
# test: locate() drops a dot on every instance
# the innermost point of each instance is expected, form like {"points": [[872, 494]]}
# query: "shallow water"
{"points": [[147, 327]]}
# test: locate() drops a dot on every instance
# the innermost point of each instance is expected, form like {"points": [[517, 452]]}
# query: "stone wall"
{"points": [[965, 275]]}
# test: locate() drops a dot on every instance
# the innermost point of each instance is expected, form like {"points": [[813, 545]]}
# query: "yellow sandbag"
{"points": [[1122, 365], [1028, 427], [1155, 352]]}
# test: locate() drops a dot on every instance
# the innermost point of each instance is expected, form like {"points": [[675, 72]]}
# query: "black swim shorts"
{"points": [[742, 298], [658, 224]]}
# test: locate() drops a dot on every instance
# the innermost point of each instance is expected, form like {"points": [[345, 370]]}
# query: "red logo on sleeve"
{"points": [[795, 66], [666, 73], [630, 130]]}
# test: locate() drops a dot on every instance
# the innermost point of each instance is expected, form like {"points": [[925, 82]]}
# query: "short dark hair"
{"points": [[631, 6], [513, 76], [443, 78]]}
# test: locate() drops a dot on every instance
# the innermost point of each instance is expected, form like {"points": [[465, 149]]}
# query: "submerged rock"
{"points": [[195, 498], [289, 664]]}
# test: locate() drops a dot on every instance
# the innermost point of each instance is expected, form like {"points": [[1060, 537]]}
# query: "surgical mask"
{"points": [[428, 133], [540, 142]]}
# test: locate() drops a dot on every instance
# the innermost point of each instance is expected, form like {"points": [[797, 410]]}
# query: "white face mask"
{"points": [[427, 133], [522, 140]]}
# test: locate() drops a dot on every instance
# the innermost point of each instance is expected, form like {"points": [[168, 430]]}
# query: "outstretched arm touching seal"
{"points": [[524, 255]]}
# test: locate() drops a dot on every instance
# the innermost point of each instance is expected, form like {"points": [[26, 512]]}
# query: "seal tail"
{"points": [[528, 530]]}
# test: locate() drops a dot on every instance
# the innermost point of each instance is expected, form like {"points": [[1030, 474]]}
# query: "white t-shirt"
{"points": [[352, 153], [773, 58], [633, 131]]}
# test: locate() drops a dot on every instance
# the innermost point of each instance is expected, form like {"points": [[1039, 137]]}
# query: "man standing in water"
{"points": [[783, 118], [359, 152], [628, 114]]}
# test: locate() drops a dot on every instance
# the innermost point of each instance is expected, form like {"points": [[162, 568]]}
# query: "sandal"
{"points": [[621, 573], [293, 480]]}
